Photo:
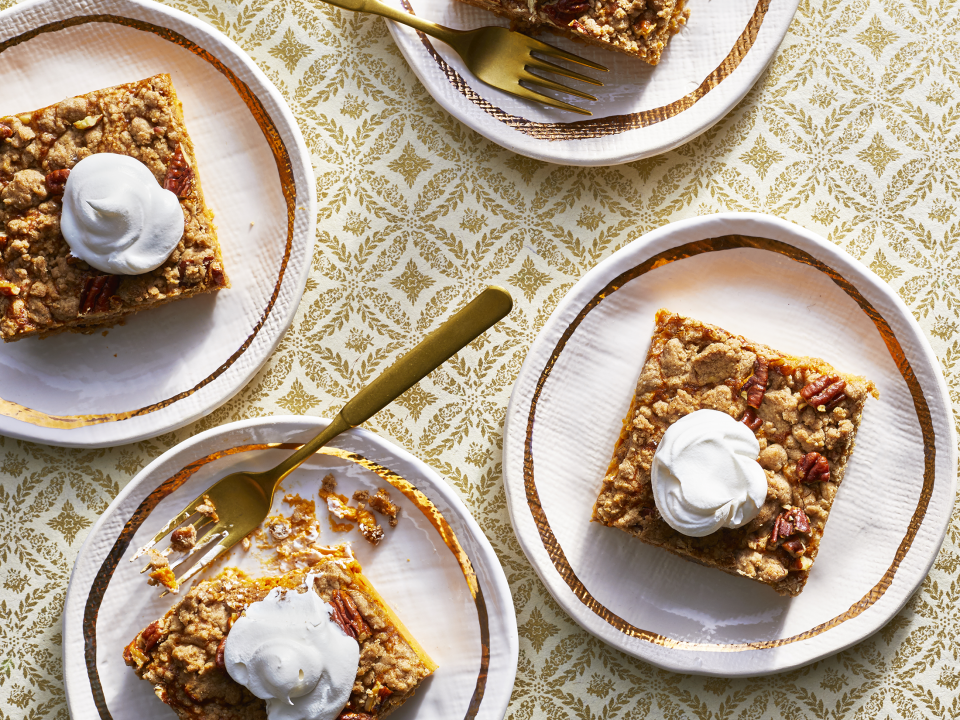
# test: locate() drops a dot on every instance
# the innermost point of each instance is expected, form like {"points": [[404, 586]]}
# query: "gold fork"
{"points": [[242, 500], [499, 57]]}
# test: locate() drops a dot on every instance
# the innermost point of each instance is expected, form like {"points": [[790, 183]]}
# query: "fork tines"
{"points": [[536, 63], [209, 533]]}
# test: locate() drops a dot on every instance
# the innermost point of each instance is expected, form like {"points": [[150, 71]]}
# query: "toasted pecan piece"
{"points": [[179, 179], [813, 467], [756, 384]]}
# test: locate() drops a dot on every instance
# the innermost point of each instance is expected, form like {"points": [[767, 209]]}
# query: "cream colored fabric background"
{"points": [[852, 132]]}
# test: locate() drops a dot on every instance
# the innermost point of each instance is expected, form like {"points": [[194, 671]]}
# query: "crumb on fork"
{"points": [[160, 572], [184, 538], [208, 508]]}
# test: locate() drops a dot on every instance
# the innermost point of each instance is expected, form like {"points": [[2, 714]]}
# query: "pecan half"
{"points": [[179, 179], [795, 547], [788, 523], [338, 617], [825, 390], [782, 528], [811, 389], [566, 11], [56, 181], [801, 523], [813, 467], [751, 420], [97, 292], [151, 635], [221, 648], [5, 131], [756, 384], [347, 615]]}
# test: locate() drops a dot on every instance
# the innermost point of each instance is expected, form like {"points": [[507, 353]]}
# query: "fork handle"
{"points": [[488, 308], [447, 35]]}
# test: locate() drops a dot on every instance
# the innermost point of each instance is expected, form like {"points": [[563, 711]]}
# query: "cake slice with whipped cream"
{"points": [[731, 453], [316, 643], [101, 211]]}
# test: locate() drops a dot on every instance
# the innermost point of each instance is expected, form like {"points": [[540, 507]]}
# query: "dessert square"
{"points": [[182, 653], [641, 28], [44, 289], [804, 413]]}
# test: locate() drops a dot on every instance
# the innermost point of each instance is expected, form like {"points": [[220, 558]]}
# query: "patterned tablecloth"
{"points": [[853, 132]]}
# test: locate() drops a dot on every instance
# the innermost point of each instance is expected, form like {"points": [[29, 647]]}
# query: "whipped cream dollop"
{"points": [[286, 650], [705, 474], [117, 218]]}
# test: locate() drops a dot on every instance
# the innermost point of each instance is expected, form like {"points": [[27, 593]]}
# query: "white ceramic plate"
{"points": [[774, 283], [166, 367], [641, 110], [472, 639]]}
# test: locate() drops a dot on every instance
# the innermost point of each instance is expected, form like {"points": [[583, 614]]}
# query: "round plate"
{"points": [[451, 594], [777, 284], [172, 365], [642, 110]]}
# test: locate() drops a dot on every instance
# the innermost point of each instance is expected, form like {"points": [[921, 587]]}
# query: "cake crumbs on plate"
{"points": [[339, 506]]}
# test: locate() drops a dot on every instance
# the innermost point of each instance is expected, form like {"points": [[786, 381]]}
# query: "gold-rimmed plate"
{"points": [[775, 283], [641, 111], [435, 569], [166, 367]]}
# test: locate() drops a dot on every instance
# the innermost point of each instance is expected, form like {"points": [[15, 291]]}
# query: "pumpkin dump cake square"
{"points": [[186, 654], [804, 415], [641, 28], [44, 287]]}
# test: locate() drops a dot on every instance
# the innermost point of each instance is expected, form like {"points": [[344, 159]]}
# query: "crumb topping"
{"points": [[183, 539]]}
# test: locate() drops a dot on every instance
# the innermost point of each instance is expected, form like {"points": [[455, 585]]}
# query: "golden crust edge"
{"points": [[187, 142]]}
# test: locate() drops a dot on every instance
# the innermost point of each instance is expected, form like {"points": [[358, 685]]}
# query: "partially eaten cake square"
{"points": [[101, 211], [732, 453], [314, 643]]}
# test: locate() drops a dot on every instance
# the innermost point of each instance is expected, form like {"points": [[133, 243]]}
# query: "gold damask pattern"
{"points": [[852, 132]]}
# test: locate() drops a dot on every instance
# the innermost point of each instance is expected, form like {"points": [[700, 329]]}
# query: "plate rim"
{"points": [[497, 694], [694, 661], [432, 71], [221, 386]]}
